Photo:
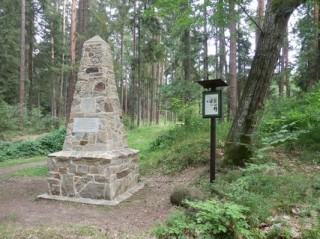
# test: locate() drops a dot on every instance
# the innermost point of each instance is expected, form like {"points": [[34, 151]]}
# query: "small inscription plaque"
{"points": [[212, 104], [86, 124]]}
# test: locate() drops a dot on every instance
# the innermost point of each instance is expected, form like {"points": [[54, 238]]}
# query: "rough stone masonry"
{"points": [[95, 166]]}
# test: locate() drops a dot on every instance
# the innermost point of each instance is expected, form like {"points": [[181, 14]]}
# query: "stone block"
{"points": [[93, 191], [82, 170], [67, 186], [101, 179], [51, 164], [123, 173]]}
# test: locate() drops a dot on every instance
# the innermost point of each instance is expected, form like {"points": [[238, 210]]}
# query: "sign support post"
{"points": [[212, 108]]}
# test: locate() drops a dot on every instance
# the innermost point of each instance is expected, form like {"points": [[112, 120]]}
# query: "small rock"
{"points": [[179, 195]]}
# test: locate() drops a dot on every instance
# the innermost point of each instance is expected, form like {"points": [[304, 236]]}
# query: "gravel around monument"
{"points": [[133, 218]]}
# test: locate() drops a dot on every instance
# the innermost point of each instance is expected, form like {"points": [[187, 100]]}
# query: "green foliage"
{"points": [[41, 171], [127, 121], [293, 123], [5, 121], [279, 232], [212, 219], [186, 145], [284, 135], [313, 233], [9, 231], [33, 122], [265, 189], [14, 162], [47, 144]]}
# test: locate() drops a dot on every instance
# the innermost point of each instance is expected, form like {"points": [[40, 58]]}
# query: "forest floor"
{"points": [[24, 213]]}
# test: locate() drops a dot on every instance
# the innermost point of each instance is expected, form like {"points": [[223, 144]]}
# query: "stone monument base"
{"points": [[94, 177]]}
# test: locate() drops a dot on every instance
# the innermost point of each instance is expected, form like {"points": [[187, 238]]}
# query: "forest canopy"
{"points": [[160, 49]]}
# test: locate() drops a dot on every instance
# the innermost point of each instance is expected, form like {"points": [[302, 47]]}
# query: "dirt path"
{"points": [[4, 170], [133, 217]]}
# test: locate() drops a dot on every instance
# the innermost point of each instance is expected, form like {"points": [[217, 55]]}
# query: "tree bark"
{"points": [[62, 85], [286, 64], [22, 59], [260, 13], [233, 60], [205, 44], [284, 79], [31, 34], [73, 58], [238, 147]]}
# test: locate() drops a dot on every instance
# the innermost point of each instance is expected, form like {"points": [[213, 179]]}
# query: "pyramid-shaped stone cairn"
{"points": [[95, 166]]}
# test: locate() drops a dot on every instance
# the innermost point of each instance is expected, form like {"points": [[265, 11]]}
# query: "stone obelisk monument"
{"points": [[95, 166]]}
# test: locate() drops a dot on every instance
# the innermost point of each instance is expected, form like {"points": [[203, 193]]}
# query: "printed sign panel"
{"points": [[212, 104], [86, 125]]}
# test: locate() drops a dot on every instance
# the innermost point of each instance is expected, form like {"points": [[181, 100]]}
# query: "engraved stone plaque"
{"points": [[86, 125]]}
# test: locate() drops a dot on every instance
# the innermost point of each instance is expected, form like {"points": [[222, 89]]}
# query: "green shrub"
{"points": [[182, 147], [265, 190], [313, 233], [279, 232], [212, 219], [291, 125], [5, 119], [47, 144]]}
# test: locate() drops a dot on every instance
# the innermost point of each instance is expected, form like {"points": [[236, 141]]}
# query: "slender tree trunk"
{"points": [[217, 57], [62, 86], [139, 71], [221, 51], [286, 64], [205, 43], [284, 79], [73, 58], [240, 139], [186, 41], [82, 25], [233, 60], [22, 58], [260, 14], [54, 93], [121, 68], [31, 33], [316, 61], [133, 81]]}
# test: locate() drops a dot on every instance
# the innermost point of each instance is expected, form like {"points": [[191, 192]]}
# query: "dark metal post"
{"points": [[212, 84], [213, 151], [213, 147]]}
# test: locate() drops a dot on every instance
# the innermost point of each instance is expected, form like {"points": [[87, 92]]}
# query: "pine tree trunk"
{"points": [[30, 33], [238, 148], [62, 85], [316, 61], [260, 14], [233, 60], [284, 79], [22, 59], [205, 44], [73, 58]]}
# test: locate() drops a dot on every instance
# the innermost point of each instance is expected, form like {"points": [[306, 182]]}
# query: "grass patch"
{"points": [[142, 139], [182, 146], [14, 162], [56, 231], [272, 190], [40, 171]]}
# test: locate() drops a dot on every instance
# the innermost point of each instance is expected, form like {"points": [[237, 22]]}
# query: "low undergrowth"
{"points": [[48, 143], [272, 201], [184, 146], [53, 231]]}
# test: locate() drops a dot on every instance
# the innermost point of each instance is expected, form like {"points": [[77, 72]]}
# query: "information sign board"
{"points": [[212, 104]]}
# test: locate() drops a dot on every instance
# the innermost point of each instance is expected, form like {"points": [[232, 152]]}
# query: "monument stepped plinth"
{"points": [[95, 165]]}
